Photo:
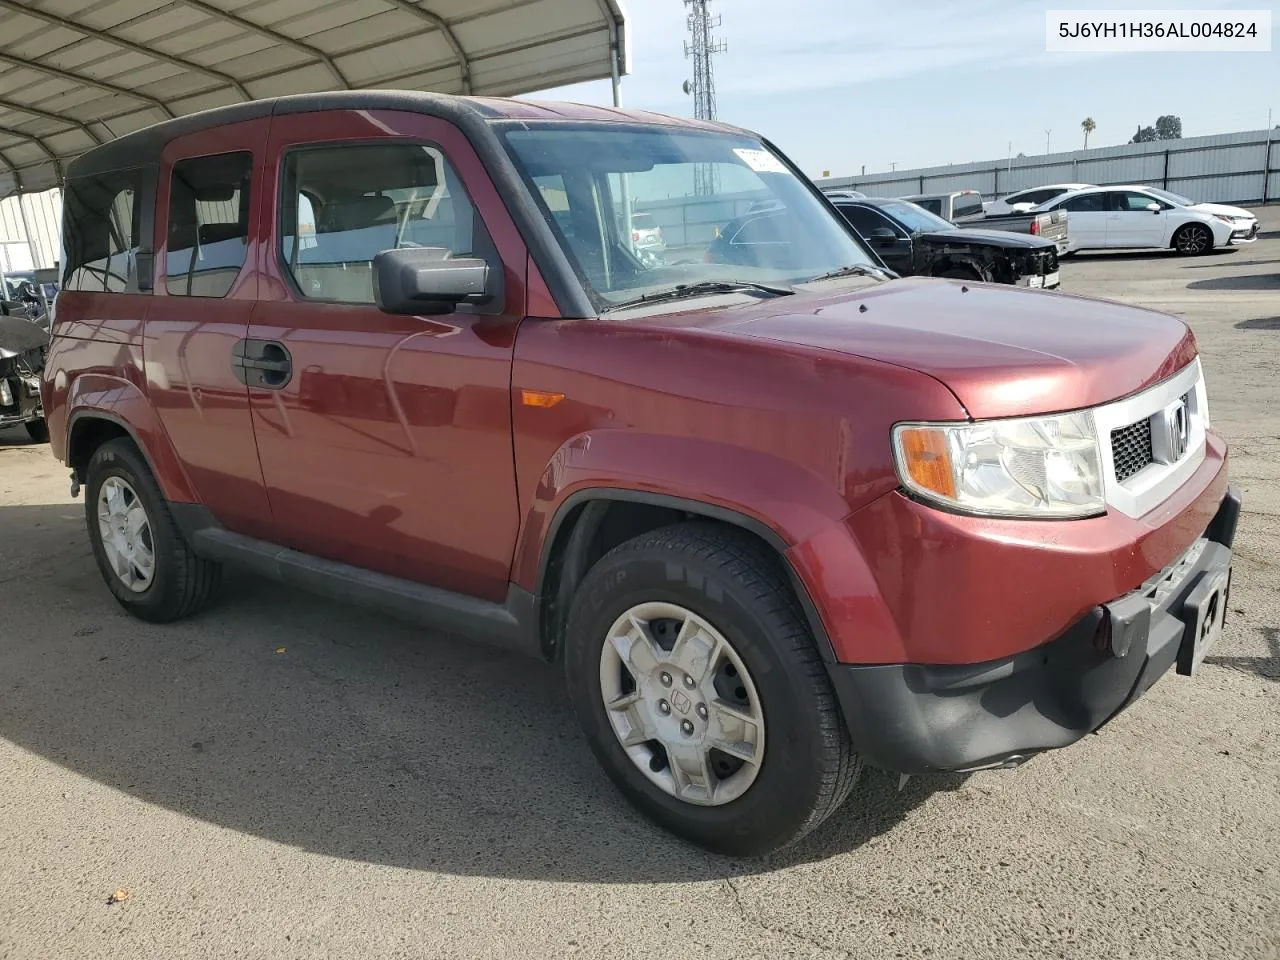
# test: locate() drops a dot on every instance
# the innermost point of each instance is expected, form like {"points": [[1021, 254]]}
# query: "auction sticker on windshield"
{"points": [[761, 161]]}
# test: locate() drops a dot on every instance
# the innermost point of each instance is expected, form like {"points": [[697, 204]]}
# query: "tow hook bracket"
{"points": [[75, 485]]}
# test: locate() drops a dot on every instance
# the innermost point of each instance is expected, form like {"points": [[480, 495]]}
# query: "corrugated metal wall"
{"points": [[1223, 168], [43, 211]]}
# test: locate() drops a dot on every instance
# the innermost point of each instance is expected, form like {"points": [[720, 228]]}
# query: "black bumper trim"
{"points": [[918, 718]]}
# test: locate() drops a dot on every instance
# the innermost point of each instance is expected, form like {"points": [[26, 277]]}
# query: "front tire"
{"points": [[700, 690], [38, 431], [1192, 240], [142, 555]]}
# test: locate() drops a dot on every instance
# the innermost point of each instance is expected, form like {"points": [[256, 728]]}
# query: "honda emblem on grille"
{"points": [[1176, 431]]}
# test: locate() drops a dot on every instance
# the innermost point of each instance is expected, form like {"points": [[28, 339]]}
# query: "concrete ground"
{"points": [[284, 777]]}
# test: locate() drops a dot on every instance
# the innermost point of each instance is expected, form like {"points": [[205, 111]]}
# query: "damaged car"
{"points": [[23, 345], [914, 242]]}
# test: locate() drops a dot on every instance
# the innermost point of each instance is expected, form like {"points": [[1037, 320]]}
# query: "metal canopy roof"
{"points": [[74, 74]]}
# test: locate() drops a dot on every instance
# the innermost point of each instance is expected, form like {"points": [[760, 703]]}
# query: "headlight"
{"points": [[1230, 220], [1034, 467]]}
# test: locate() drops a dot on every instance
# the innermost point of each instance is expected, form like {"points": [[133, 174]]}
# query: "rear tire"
{"points": [[1193, 240], [752, 643], [38, 431], [146, 562]]}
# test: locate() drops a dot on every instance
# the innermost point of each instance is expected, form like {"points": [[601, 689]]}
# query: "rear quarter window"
{"points": [[966, 205], [101, 228]]}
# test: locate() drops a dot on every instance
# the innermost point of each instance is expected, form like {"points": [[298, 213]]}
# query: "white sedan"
{"points": [[1245, 224], [1135, 218], [1024, 200]]}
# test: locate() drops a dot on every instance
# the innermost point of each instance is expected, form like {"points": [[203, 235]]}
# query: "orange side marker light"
{"points": [[540, 398]]}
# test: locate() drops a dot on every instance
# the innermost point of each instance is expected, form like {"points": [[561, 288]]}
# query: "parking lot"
{"points": [[286, 777]]}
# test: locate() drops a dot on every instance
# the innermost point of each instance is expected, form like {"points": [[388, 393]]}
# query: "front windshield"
{"points": [[915, 218], [1171, 197], [728, 208]]}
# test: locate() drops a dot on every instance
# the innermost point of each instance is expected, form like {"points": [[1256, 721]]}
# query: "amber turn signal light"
{"points": [[540, 398], [926, 459]]}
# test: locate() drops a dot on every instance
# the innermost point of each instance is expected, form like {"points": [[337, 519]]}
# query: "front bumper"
{"points": [[1245, 235], [915, 718]]}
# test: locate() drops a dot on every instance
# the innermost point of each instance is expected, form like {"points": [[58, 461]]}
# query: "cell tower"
{"points": [[701, 48]]}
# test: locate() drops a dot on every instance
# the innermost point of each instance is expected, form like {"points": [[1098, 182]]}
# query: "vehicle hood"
{"points": [[1221, 209], [1003, 351], [991, 238]]}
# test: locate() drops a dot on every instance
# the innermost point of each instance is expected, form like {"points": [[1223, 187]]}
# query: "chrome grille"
{"points": [[1131, 449]]}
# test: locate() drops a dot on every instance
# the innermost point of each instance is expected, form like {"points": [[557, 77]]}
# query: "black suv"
{"points": [[915, 242]]}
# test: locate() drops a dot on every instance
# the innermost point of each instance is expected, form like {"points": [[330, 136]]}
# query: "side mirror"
{"points": [[422, 280], [1154, 207], [882, 237], [1022, 207]]}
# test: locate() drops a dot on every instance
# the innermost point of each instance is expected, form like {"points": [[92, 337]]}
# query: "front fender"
{"points": [[771, 494], [119, 401]]}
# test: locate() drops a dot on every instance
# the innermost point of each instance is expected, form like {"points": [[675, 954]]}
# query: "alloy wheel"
{"points": [[1193, 240]]}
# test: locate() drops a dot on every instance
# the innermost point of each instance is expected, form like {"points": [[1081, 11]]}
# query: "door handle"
{"points": [[275, 366], [262, 363]]}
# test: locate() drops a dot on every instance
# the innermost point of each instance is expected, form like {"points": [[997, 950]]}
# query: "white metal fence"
{"points": [[1224, 168]]}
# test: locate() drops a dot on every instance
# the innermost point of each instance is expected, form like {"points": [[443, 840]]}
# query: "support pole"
{"points": [[1266, 161], [624, 185]]}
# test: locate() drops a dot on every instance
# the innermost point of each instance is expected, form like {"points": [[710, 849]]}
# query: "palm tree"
{"points": [[1088, 126]]}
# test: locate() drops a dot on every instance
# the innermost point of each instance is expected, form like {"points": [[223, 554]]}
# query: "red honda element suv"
{"points": [[777, 512]]}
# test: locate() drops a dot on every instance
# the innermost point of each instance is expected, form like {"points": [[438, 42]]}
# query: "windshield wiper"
{"points": [[685, 290], [855, 270]]}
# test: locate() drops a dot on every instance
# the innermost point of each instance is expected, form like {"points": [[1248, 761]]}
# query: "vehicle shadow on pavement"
{"points": [[1234, 263], [1154, 253], [1267, 667], [324, 727], [1253, 281], [16, 437]]}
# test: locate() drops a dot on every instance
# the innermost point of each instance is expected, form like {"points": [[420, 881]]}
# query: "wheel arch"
{"points": [[591, 521], [87, 430], [95, 400]]}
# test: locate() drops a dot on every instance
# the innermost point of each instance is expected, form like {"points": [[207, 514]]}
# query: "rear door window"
{"points": [[208, 224], [1085, 203], [343, 205], [101, 228]]}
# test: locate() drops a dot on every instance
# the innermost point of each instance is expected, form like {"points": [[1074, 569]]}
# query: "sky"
{"points": [[839, 84]]}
